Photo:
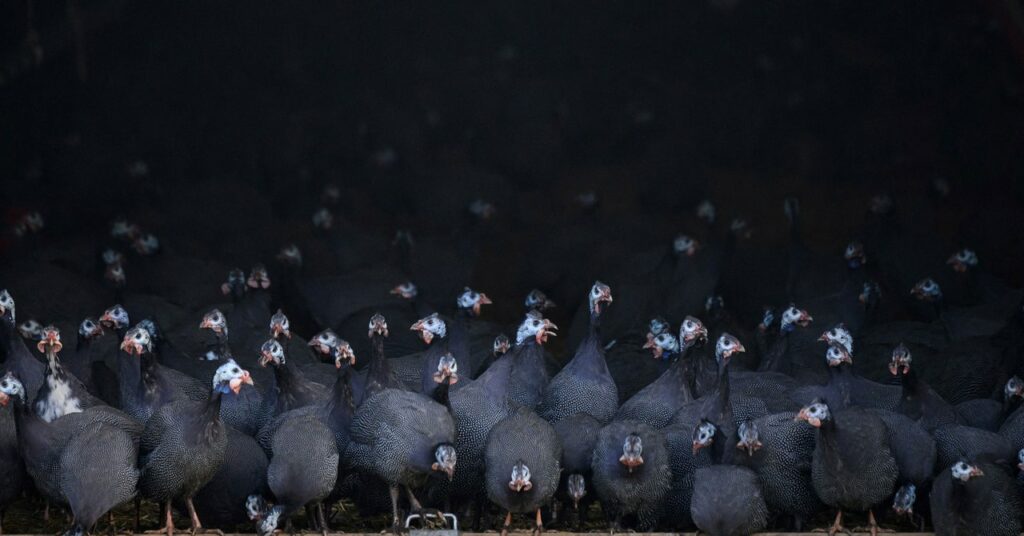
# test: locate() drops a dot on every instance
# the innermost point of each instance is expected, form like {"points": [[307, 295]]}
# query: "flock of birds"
{"points": [[671, 413]]}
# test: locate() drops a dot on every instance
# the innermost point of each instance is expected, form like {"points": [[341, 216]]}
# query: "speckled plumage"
{"points": [[523, 436], [243, 473], [528, 376], [304, 466], [182, 448], [727, 501], [658, 402], [639, 492], [783, 464], [584, 384], [912, 446], [956, 442], [853, 466], [986, 505], [394, 435]]}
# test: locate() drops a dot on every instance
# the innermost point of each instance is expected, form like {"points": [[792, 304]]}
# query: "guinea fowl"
{"points": [[291, 389], [527, 375], [584, 384], [15, 356], [378, 375], [912, 446], [853, 467], [61, 393], [727, 499], [976, 499], [719, 405], [78, 460], [12, 469], [243, 472], [655, 404], [476, 411], [465, 332], [631, 471], [780, 355], [990, 413], [418, 369], [303, 469], [241, 408], [629, 362], [779, 449], [183, 446], [919, 401], [577, 434], [80, 362], [527, 448], [402, 438]]}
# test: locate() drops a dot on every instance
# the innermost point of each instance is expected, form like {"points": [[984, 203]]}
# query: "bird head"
{"points": [[632, 452], [49, 340], [11, 388], [229, 377], [258, 277], [115, 318], [445, 460], [430, 327], [279, 325], [290, 255], [692, 331], [447, 370], [963, 471], [520, 477], [406, 290], [664, 346], [750, 440], [216, 322], [235, 284], [137, 341], [900, 361], [599, 293], [838, 335], [685, 245], [577, 488], [963, 260], [703, 436], [726, 346], [89, 329], [793, 317], [272, 352], [837, 355], [471, 300], [7, 305], [501, 345], [814, 414], [854, 254], [538, 301], [31, 329], [927, 290], [536, 327], [903, 501]]}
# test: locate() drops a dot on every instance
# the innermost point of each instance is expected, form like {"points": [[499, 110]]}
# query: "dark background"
{"points": [[243, 111]]}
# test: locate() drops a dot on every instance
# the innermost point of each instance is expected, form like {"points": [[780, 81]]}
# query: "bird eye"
{"points": [[535, 323], [235, 370], [138, 336]]}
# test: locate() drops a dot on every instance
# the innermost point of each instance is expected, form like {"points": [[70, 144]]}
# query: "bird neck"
{"points": [[379, 366], [211, 409], [441, 392], [341, 393]]}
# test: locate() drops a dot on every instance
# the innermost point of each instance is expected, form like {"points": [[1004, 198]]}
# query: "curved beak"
{"points": [[50, 342], [655, 349], [446, 469], [696, 447], [484, 300], [4, 398], [519, 485], [804, 416], [750, 448], [265, 358]]}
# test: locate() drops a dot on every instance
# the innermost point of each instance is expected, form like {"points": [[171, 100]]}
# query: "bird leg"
{"points": [[539, 527], [873, 525], [394, 509], [507, 524], [320, 520], [837, 526], [197, 527], [168, 527]]}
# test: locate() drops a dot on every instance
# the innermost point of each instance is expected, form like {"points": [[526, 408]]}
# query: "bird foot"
{"points": [[204, 530], [431, 518], [537, 530]]}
